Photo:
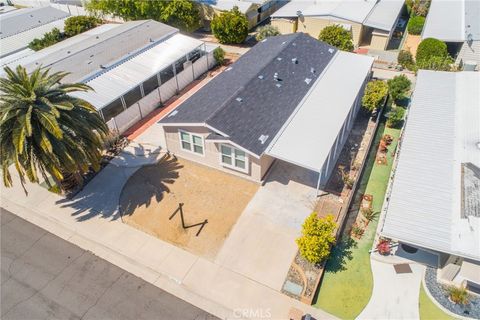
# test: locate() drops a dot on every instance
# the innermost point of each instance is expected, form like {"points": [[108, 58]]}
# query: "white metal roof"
{"points": [[381, 14], [384, 15], [453, 20], [225, 5], [311, 132], [441, 133], [112, 84], [20, 41]]}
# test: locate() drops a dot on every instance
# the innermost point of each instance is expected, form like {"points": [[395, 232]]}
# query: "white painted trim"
{"points": [[180, 131], [178, 124], [232, 166], [216, 130]]}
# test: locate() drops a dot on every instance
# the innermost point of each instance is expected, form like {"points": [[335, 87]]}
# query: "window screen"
{"points": [[166, 74], [150, 85], [112, 109], [132, 96], [179, 64]]}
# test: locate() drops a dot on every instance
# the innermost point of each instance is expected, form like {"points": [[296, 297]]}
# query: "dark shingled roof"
{"points": [[258, 93]]}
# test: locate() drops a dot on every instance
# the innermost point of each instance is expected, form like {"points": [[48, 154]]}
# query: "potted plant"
{"points": [[458, 295], [383, 247]]}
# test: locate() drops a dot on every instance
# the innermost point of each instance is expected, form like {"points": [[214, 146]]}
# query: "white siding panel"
{"points": [[168, 89]]}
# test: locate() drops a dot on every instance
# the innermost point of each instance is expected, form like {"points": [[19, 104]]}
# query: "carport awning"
{"points": [[310, 133]]}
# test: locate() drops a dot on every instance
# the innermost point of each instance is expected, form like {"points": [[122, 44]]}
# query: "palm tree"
{"points": [[44, 130]]}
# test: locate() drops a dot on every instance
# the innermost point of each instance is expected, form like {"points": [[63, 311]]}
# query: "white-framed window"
{"points": [[233, 158], [191, 142]]}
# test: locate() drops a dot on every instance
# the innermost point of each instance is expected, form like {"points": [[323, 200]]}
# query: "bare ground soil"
{"points": [[153, 193]]}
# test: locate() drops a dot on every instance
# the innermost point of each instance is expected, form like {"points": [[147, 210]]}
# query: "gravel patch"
{"points": [[439, 292]]}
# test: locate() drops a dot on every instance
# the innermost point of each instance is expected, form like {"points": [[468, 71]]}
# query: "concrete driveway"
{"points": [[262, 245]]}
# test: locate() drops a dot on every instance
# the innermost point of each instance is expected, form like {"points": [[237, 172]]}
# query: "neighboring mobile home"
{"points": [[290, 97], [434, 201], [132, 67], [370, 22], [255, 11], [458, 24]]}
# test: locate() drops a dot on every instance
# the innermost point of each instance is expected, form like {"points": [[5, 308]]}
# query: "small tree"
{"points": [[405, 59], [395, 117], [317, 237], [415, 25], [266, 31], [338, 37], [374, 95], [429, 48], [48, 39], [398, 87], [230, 26], [78, 24], [219, 56], [437, 64]]}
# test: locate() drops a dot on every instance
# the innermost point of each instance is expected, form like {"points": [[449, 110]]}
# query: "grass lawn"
{"points": [[347, 283], [428, 310]]}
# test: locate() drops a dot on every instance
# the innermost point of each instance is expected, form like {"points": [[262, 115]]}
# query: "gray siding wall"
{"points": [[469, 53]]}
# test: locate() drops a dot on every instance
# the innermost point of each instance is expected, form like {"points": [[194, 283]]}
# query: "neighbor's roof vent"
{"points": [[263, 138], [228, 69], [308, 80], [295, 60], [279, 59], [173, 113], [278, 85], [312, 70], [260, 77], [331, 50], [264, 40], [284, 42], [239, 99]]}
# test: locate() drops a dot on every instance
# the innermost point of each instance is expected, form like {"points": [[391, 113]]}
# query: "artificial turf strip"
{"points": [[428, 310], [347, 283]]}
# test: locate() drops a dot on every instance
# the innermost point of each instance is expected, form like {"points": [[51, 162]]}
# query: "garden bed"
{"points": [[440, 293]]}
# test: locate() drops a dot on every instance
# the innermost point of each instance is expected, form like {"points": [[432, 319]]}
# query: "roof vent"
{"points": [[331, 50], [260, 77], [312, 70], [97, 37], [294, 44], [478, 145], [295, 60], [228, 69], [151, 40], [308, 80], [279, 59], [264, 40], [263, 138], [103, 67], [173, 113], [278, 85], [239, 99], [284, 42], [276, 78]]}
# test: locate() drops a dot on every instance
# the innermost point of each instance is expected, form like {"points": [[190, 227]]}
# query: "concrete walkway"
{"points": [[395, 296], [91, 221]]}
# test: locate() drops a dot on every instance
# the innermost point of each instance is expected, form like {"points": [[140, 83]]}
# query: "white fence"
{"points": [[147, 104]]}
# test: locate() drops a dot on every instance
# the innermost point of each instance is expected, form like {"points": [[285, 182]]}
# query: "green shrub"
{"points": [[374, 95], [458, 295], [338, 37], [230, 27], [266, 31], [429, 48], [47, 40], [405, 59], [317, 237], [219, 56], [398, 87], [415, 25], [78, 24], [395, 117], [437, 64]]}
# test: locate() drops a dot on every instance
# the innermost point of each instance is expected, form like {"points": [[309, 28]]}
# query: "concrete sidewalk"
{"points": [[394, 296], [91, 221]]}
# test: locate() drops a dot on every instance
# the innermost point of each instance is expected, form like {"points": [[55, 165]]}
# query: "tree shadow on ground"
{"points": [[340, 255], [148, 183]]}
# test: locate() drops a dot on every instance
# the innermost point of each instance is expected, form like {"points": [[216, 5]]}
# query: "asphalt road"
{"points": [[46, 277]]}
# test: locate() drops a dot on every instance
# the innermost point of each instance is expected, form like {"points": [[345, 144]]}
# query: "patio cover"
{"points": [[310, 133]]}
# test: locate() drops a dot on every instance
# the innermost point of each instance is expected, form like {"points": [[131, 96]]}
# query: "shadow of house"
{"points": [[147, 184]]}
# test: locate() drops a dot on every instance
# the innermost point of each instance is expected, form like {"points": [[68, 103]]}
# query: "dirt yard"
{"points": [[153, 193], [411, 44]]}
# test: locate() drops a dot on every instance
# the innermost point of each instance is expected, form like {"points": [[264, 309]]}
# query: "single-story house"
{"points": [[434, 199], [371, 22], [458, 24], [19, 27], [291, 97], [132, 67], [256, 11]]}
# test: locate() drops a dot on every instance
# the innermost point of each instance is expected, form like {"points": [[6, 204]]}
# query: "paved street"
{"points": [[45, 277]]}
